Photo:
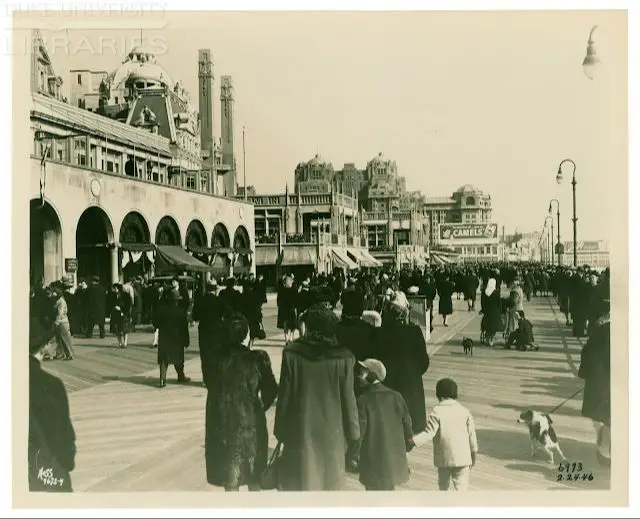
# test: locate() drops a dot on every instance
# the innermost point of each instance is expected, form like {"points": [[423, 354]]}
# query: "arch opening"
{"points": [[134, 229], [45, 244], [241, 239], [168, 232], [94, 240], [196, 235], [220, 237]]}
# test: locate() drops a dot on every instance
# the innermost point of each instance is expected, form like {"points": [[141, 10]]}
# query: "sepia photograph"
{"points": [[329, 258]]}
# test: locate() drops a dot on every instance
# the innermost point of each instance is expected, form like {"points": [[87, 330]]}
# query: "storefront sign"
{"points": [[71, 264], [469, 231]]}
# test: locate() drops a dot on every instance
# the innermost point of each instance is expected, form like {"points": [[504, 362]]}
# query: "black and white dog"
{"points": [[467, 344], [542, 434]]}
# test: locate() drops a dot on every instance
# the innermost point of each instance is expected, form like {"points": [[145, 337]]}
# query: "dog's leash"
{"points": [[565, 401]]}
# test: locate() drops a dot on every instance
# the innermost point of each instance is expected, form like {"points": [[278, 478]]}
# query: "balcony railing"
{"points": [[375, 216], [146, 179], [309, 199], [267, 239], [310, 238], [382, 215]]}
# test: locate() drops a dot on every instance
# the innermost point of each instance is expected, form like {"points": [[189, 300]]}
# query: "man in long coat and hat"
{"points": [[173, 337], [95, 298]]}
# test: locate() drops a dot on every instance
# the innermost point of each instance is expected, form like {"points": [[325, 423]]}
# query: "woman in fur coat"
{"points": [[241, 389]]}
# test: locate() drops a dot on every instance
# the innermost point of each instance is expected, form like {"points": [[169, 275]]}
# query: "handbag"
{"points": [[45, 472], [269, 478]]}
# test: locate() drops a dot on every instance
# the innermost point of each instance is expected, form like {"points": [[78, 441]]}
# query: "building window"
{"points": [[82, 159], [60, 155], [109, 166], [191, 183], [117, 167], [116, 99], [79, 79]]}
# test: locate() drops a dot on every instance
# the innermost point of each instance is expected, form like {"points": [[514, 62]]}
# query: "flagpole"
{"points": [[244, 165]]}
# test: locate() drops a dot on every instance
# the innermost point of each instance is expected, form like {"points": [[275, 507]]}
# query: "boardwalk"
{"points": [[132, 436]]}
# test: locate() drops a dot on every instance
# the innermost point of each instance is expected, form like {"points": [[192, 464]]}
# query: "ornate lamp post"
{"points": [[558, 246], [591, 63], [559, 178], [549, 239]]}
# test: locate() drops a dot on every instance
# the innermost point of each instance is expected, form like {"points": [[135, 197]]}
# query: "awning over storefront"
{"points": [[362, 257], [197, 249], [298, 255], [137, 247], [438, 258], [374, 262], [266, 256], [341, 259], [176, 259]]}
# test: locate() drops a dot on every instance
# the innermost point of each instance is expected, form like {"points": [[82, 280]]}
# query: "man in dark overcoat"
{"points": [[95, 299], [49, 416], [207, 311], [173, 337], [316, 414]]}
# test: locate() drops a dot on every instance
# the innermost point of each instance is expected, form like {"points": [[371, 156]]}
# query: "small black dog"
{"points": [[467, 344]]}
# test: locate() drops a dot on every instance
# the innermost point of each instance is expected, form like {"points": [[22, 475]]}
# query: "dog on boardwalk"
{"points": [[467, 345], [542, 434]]}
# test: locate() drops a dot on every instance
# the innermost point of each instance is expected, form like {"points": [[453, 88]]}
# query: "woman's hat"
{"points": [[376, 367], [321, 320]]}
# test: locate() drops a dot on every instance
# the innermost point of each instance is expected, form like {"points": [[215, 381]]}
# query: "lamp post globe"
{"points": [[591, 63]]}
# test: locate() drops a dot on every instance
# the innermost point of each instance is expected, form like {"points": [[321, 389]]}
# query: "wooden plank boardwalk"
{"points": [[132, 436]]}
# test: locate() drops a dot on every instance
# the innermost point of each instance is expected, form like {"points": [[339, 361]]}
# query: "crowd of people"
{"points": [[345, 400]]}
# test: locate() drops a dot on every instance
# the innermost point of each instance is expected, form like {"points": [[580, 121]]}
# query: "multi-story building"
{"points": [[467, 204], [306, 232], [473, 242], [521, 246], [593, 253], [141, 93], [126, 188], [391, 217]]}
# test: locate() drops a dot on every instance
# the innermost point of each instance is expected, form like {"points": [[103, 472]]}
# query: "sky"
{"points": [[492, 99]]}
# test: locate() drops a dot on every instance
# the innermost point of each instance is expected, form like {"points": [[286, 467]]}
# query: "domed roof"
{"points": [[140, 64], [378, 158], [467, 188], [317, 160]]}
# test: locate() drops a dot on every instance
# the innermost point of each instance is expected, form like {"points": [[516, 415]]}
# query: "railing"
{"points": [[141, 179], [305, 200], [374, 216], [382, 215], [264, 239], [297, 238], [381, 248]]}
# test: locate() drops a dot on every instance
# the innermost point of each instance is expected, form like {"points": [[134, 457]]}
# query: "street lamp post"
{"points": [[550, 238], [559, 178], [591, 63], [558, 227]]}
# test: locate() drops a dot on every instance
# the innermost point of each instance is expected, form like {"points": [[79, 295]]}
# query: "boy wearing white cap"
{"points": [[385, 431]]}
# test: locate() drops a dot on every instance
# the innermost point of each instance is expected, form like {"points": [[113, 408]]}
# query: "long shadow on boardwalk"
{"points": [[151, 381]]}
